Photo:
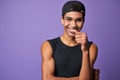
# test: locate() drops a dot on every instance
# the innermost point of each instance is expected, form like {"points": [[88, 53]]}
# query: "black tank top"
{"points": [[68, 60]]}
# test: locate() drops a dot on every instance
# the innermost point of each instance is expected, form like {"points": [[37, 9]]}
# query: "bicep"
{"points": [[47, 61], [93, 54]]}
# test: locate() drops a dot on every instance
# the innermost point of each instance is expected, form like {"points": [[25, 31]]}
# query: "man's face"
{"points": [[72, 21]]}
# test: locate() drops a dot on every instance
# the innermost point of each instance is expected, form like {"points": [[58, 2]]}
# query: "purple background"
{"points": [[25, 24]]}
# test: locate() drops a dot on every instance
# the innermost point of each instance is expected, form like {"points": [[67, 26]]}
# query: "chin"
{"points": [[71, 34]]}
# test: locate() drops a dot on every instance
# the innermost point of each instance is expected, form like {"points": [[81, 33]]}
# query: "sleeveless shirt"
{"points": [[68, 59]]}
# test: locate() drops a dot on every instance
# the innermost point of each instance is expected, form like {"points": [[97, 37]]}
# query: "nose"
{"points": [[73, 24]]}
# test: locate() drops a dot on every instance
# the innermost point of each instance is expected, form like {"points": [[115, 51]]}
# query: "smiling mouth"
{"points": [[74, 28], [72, 31]]}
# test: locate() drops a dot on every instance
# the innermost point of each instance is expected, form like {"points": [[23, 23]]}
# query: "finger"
{"points": [[97, 71], [79, 34], [96, 76], [81, 39]]}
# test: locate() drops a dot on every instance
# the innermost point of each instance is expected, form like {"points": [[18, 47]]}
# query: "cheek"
{"points": [[80, 25], [66, 24]]}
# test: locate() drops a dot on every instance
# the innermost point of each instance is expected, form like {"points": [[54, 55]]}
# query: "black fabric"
{"points": [[68, 60], [73, 6]]}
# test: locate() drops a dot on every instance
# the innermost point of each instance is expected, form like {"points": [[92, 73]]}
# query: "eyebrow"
{"points": [[75, 19]]}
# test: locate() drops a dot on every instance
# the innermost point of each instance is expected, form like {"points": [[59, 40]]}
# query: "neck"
{"points": [[68, 40]]}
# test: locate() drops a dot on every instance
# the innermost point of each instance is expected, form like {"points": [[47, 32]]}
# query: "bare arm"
{"points": [[85, 73], [48, 65], [89, 57], [93, 55]]}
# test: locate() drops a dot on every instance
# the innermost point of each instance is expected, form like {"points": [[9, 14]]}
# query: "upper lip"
{"points": [[74, 28]]}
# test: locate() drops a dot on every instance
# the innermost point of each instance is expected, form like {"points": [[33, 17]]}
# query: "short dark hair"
{"points": [[73, 6]]}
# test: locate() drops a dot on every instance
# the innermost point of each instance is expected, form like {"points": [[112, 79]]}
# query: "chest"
{"points": [[68, 55], [68, 60]]}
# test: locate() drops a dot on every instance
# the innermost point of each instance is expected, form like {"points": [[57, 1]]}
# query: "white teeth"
{"points": [[75, 28], [72, 31]]}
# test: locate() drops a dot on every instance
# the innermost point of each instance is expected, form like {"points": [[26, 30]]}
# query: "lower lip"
{"points": [[71, 31]]}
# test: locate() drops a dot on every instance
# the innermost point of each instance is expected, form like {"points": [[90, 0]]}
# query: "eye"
{"points": [[79, 20], [68, 19]]}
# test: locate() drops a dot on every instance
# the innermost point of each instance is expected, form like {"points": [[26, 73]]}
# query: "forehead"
{"points": [[73, 14]]}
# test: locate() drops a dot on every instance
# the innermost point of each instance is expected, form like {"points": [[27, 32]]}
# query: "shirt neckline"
{"points": [[66, 44]]}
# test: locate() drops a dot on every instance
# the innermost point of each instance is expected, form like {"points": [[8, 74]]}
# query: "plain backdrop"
{"points": [[25, 24]]}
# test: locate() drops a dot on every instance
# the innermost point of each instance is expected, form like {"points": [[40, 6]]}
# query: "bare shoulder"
{"points": [[47, 61], [93, 53], [46, 49], [45, 45], [93, 48]]}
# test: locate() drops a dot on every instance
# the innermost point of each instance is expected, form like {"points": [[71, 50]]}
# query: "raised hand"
{"points": [[82, 39]]}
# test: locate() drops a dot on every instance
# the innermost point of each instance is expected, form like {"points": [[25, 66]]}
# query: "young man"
{"points": [[70, 56]]}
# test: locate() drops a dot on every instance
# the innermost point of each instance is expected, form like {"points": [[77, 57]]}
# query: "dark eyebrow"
{"points": [[68, 17], [79, 19]]}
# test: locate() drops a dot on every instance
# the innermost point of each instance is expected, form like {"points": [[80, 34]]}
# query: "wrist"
{"points": [[84, 47], [85, 53]]}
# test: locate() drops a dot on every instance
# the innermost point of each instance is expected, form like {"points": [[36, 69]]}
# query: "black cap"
{"points": [[73, 6]]}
